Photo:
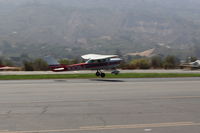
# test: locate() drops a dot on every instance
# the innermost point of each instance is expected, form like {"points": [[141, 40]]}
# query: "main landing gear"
{"points": [[99, 73]]}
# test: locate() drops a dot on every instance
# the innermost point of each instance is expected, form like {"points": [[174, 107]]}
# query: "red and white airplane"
{"points": [[93, 62]]}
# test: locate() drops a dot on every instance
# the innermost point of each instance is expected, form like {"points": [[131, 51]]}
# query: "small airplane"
{"points": [[192, 65], [93, 62]]}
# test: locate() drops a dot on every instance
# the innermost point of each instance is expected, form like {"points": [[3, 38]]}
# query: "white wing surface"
{"points": [[97, 56]]}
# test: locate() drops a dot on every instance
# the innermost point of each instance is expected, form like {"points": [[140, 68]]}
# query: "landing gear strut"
{"points": [[99, 73]]}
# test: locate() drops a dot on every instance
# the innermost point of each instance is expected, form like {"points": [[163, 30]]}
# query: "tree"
{"points": [[40, 65], [28, 66], [170, 62], [5, 62], [64, 61], [156, 62], [8, 63], [68, 62], [74, 61], [36, 65], [1, 62]]}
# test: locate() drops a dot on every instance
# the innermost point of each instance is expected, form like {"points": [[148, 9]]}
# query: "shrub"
{"points": [[40, 65], [141, 63], [156, 62], [170, 62], [36, 65], [64, 61], [28, 66]]}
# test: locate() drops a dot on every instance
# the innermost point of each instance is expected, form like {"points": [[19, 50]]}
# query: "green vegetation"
{"points": [[36, 65], [155, 62], [68, 61], [129, 62], [141, 63], [170, 62], [86, 76], [5, 62]]}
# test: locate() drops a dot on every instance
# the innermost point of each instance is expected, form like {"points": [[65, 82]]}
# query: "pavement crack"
{"points": [[102, 119], [8, 113], [44, 110]]}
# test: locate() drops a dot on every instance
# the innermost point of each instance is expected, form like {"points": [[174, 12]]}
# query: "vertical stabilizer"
{"points": [[51, 61]]}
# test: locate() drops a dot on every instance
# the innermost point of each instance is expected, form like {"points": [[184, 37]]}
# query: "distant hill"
{"points": [[146, 53], [69, 28]]}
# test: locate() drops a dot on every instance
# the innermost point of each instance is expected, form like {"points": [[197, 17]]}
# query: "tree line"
{"points": [[155, 62], [41, 65]]}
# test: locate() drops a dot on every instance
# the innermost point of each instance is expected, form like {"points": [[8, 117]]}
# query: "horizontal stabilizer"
{"points": [[51, 61]]}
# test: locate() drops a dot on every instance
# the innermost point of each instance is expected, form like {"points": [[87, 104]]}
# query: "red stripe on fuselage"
{"points": [[84, 66]]}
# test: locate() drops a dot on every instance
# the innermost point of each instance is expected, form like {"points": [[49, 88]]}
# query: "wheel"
{"points": [[116, 72], [103, 75], [98, 73]]}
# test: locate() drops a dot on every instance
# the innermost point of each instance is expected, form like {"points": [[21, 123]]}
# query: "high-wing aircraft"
{"points": [[93, 62], [191, 65]]}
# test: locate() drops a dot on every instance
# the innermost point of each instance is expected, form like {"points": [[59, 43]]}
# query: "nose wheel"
{"points": [[99, 73]]}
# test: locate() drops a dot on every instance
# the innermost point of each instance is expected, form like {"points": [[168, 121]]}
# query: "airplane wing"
{"points": [[196, 63], [97, 56]]}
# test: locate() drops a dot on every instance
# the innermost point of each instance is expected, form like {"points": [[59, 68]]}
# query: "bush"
{"points": [[40, 65], [141, 63], [28, 66], [156, 62], [6, 62], [36, 65], [68, 62], [128, 66], [64, 61], [1, 62], [170, 62]]}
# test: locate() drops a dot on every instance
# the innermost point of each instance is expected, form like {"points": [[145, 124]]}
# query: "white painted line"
{"points": [[111, 127], [147, 130]]}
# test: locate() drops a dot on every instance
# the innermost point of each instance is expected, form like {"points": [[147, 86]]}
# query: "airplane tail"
{"points": [[51, 61], [54, 65]]}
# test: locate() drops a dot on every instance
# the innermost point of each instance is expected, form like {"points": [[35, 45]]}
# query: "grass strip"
{"points": [[85, 76]]}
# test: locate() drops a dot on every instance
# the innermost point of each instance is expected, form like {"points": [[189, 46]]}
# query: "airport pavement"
{"points": [[88, 71], [169, 105]]}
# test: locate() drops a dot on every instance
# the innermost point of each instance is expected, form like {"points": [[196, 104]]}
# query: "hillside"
{"points": [[69, 28]]}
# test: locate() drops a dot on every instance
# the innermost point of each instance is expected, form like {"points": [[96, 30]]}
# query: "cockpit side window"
{"points": [[104, 60], [98, 61], [90, 61]]}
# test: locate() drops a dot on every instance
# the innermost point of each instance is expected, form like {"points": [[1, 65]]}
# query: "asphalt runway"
{"points": [[94, 71], [160, 105]]}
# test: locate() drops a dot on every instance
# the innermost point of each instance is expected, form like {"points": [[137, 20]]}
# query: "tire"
{"points": [[103, 75], [98, 74]]}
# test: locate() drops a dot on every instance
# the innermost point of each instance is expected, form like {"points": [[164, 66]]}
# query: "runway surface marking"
{"points": [[111, 127], [178, 97]]}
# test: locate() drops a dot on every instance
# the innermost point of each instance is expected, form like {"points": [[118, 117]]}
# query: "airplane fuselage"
{"points": [[106, 65]]}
